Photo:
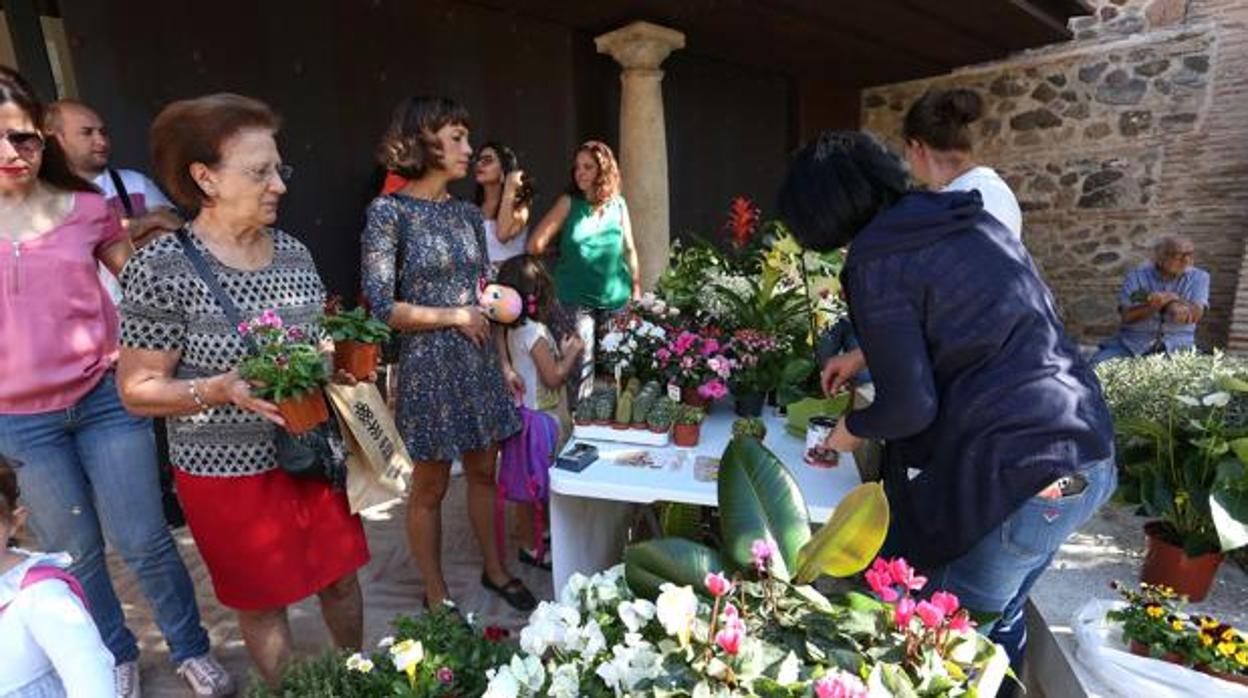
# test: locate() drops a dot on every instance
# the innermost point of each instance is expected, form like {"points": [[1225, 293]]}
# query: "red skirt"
{"points": [[270, 540]]}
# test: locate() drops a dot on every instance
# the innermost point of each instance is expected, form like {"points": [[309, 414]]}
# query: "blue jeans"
{"points": [[95, 464], [1113, 348], [997, 574]]}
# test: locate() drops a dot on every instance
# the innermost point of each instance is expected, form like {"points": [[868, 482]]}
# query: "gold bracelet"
{"points": [[199, 399]]}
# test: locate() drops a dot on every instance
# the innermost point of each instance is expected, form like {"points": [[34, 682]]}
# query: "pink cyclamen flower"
{"points": [[729, 640], [904, 575], [270, 318], [710, 346], [294, 334], [683, 343], [717, 584], [961, 622], [731, 618], [244, 328], [881, 584], [840, 685], [663, 355], [931, 614], [903, 612], [946, 602], [713, 389], [445, 675], [762, 551]]}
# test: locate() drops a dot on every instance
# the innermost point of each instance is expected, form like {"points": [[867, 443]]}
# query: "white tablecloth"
{"points": [[591, 511]]}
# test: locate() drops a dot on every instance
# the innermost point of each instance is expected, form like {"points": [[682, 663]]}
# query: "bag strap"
{"points": [[120, 186], [214, 285], [41, 573]]}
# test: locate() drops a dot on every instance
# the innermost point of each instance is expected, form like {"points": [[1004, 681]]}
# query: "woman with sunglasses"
{"points": [[86, 466]]}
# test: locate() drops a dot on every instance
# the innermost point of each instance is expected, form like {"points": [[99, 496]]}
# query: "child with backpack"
{"points": [[545, 367], [49, 646]]}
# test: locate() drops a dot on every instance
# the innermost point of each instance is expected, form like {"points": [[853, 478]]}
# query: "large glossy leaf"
{"points": [[1232, 384], [758, 498], [1228, 504], [681, 520], [849, 541], [682, 562]]}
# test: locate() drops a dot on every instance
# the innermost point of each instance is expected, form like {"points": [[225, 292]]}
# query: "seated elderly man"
{"points": [[1160, 303]]}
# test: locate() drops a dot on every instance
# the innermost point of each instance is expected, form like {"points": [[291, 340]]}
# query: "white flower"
{"points": [[385, 642], [501, 684], [631, 663], [571, 594], [564, 682], [360, 663], [676, 608], [635, 614], [611, 341], [1189, 401], [587, 640], [549, 625], [660, 307], [528, 672], [1218, 399], [407, 654]]}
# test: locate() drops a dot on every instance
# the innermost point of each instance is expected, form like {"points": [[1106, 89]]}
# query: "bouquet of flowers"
{"points": [[757, 361], [695, 359], [1154, 624]]}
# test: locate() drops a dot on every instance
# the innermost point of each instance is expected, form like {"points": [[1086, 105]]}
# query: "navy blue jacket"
{"points": [[976, 383]]}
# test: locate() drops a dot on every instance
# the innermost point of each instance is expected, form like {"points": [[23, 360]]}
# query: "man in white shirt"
{"points": [[142, 207]]}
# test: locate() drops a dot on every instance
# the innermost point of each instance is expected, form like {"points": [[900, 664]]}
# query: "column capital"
{"points": [[640, 45]]}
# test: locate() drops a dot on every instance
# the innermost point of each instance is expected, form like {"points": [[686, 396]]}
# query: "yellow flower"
{"points": [[407, 656], [1228, 635], [1242, 658], [1166, 592], [1205, 640], [1177, 625], [1226, 649], [1154, 610], [1207, 623]]}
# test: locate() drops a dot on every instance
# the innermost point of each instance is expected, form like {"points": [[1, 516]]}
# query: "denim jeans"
{"points": [[998, 573], [1114, 348], [93, 466]]}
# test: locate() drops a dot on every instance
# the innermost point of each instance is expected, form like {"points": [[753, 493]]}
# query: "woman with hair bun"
{"points": [[939, 151]]}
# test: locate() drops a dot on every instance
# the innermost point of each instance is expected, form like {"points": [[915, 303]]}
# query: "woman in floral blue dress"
{"points": [[424, 254]]}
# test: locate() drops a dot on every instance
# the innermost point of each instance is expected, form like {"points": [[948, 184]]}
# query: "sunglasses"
{"points": [[26, 143]]}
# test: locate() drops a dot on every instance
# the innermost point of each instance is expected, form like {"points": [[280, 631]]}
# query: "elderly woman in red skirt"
{"points": [[268, 539]]}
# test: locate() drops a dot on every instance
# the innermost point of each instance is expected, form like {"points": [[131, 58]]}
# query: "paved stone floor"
{"points": [[390, 581]]}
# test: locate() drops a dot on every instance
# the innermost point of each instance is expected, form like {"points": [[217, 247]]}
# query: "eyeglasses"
{"points": [[260, 175], [26, 143]]}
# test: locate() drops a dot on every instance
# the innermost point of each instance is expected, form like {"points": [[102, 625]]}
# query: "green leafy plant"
{"points": [[287, 364], [751, 427], [353, 325], [662, 414], [688, 414], [437, 654]]}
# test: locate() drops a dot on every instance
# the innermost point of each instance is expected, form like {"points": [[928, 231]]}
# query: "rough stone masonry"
{"points": [[1135, 128]]}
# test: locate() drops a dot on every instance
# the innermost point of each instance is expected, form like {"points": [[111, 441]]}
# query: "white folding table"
{"points": [[590, 511]]}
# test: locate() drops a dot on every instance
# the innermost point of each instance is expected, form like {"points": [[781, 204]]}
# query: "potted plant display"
{"points": [[357, 339], [688, 426]]}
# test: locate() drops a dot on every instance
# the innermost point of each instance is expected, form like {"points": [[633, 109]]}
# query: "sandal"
{"points": [[446, 605], [513, 592], [530, 558]]}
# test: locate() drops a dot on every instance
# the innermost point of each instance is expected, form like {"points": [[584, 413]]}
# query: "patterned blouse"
{"points": [[167, 307]]}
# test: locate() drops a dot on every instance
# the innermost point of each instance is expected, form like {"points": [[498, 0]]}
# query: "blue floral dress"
{"points": [[451, 394]]}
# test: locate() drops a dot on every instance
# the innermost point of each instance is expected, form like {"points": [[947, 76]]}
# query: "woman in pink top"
{"points": [[85, 466]]}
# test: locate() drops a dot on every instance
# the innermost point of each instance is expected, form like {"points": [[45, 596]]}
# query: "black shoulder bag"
{"points": [[317, 453]]}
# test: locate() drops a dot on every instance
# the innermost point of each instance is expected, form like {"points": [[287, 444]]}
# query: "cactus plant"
{"points": [[624, 408], [661, 415], [604, 406], [642, 406], [752, 427]]}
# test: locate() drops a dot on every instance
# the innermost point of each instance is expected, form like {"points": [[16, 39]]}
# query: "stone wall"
{"points": [[1135, 128]]}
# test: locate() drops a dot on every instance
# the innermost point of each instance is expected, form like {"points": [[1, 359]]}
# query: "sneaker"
{"points": [[206, 677], [126, 680]]}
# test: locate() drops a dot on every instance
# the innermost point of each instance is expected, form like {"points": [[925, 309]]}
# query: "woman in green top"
{"points": [[597, 270]]}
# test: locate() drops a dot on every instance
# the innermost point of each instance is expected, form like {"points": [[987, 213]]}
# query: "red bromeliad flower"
{"points": [[743, 218], [493, 633]]}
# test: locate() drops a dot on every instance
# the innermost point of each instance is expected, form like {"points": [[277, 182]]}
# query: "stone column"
{"points": [[640, 48]]}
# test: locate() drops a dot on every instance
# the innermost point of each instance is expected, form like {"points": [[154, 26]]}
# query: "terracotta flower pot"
{"points": [[659, 430], [689, 396], [750, 405], [619, 426], [304, 411], [686, 435], [356, 358], [1166, 563]]}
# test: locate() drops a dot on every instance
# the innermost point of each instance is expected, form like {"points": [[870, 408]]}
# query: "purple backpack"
{"points": [[524, 472], [39, 573]]}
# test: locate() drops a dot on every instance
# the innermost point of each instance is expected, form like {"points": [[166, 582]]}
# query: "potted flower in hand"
{"points": [[287, 369], [688, 426], [357, 339]]}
